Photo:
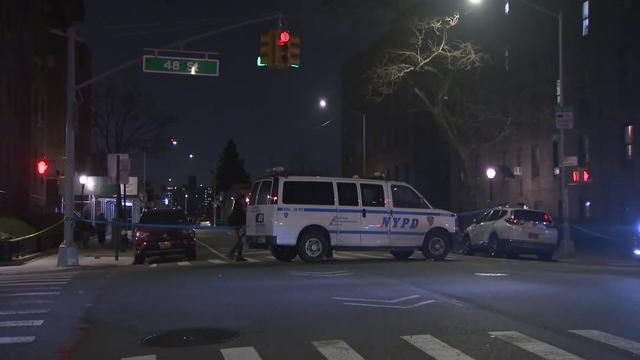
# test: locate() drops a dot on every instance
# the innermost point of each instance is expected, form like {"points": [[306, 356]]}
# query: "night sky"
{"points": [[272, 115]]}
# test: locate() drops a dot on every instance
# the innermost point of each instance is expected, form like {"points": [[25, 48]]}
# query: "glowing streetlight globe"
{"points": [[491, 173]]}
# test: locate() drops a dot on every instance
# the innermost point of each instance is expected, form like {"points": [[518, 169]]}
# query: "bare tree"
{"points": [[125, 121], [444, 74]]}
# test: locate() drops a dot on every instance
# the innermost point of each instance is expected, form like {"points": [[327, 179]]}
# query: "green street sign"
{"points": [[180, 65]]}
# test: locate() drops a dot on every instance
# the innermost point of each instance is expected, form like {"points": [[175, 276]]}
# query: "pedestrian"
{"points": [[101, 228], [238, 219]]}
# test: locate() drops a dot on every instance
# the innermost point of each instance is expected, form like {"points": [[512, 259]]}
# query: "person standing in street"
{"points": [[238, 219]]}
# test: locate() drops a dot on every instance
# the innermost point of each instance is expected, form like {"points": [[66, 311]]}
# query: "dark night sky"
{"points": [[272, 115]]}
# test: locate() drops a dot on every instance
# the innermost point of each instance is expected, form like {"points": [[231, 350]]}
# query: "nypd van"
{"points": [[311, 216]]}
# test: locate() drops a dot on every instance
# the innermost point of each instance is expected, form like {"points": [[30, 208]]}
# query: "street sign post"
{"points": [[180, 65], [564, 118]]}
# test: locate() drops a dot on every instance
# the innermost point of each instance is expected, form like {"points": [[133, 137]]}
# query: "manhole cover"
{"points": [[189, 337]]}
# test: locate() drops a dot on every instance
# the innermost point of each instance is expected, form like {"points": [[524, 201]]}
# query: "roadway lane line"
{"points": [[17, 340], [143, 357], [32, 294], [184, 263], [253, 260], [24, 312], [35, 301], [216, 261], [615, 341], [240, 353], [16, 323], [436, 348], [369, 256], [153, 265], [392, 306], [33, 289], [211, 249], [33, 280], [336, 350], [532, 345], [378, 300], [31, 284]]}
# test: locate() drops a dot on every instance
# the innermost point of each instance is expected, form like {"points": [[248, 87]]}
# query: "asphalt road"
{"points": [[357, 306]]}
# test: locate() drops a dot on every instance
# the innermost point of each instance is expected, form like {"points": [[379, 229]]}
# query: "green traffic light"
{"points": [[260, 63]]}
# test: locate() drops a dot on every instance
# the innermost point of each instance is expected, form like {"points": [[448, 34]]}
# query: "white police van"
{"points": [[311, 216]]}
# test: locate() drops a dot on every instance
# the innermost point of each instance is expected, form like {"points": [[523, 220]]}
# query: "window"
{"points": [[372, 195], [585, 18], [254, 193], [405, 197], [264, 193], [308, 193], [347, 194], [528, 215], [483, 217], [535, 161], [629, 135], [497, 215]]}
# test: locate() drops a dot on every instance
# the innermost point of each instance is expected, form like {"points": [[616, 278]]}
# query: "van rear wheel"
{"points": [[312, 246], [284, 253], [402, 254]]}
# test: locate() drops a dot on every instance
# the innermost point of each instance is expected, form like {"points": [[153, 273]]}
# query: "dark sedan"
{"points": [[162, 233]]}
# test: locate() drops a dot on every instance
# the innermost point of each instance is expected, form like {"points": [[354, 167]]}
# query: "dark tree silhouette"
{"points": [[230, 170]]}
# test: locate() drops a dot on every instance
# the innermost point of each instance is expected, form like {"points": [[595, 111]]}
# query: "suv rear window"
{"points": [[529, 215], [308, 193], [497, 215], [163, 217]]}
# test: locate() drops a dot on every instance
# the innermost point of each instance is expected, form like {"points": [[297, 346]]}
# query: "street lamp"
{"points": [[83, 181], [322, 103], [491, 174], [191, 156], [567, 243], [174, 142]]}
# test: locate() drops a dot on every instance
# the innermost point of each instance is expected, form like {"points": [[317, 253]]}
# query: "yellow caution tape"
{"points": [[38, 233]]}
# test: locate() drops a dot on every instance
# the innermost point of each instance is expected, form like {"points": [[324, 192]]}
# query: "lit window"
{"points": [[585, 18], [629, 135], [506, 7]]}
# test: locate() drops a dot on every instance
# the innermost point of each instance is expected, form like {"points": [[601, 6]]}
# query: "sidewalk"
{"points": [[93, 256]]}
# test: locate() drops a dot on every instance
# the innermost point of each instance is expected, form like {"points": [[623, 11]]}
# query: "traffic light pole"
{"points": [[68, 252]]}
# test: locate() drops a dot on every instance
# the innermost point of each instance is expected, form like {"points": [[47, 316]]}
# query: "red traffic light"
{"points": [[41, 167], [284, 38], [586, 175]]}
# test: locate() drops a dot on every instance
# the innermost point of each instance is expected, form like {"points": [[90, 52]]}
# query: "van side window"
{"points": [[308, 193], [347, 194], [254, 193], [405, 197], [263, 194], [372, 195]]}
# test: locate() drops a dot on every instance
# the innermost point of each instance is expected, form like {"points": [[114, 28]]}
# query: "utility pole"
{"points": [[68, 252]]}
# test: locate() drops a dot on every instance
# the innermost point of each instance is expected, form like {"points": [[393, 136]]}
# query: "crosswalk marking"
{"points": [[336, 350], [32, 289], [183, 263], [31, 284], [216, 261], [32, 294], [532, 345], [436, 348], [615, 341], [368, 255], [340, 256], [16, 323], [252, 260], [143, 357], [16, 339], [240, 353], [24, 312]]}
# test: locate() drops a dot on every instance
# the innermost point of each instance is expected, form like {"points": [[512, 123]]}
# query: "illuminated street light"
{"points": [[190, 156], [174, 142], [323, 103], [475, 2], [91, 184], [83, 179], [491, 173]]}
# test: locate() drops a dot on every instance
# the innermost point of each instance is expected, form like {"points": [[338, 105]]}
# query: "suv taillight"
{"points": [[274, 191], [548, 221], [514, 221]]}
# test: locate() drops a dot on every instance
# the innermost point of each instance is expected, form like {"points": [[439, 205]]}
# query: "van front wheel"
{"points": [[284, 253], [312, 246]]}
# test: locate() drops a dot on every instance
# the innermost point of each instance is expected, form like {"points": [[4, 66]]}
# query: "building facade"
{"points": [[32, 102]]}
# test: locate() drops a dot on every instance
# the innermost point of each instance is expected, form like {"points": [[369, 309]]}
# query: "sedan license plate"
{"points": [[165, 245], [533, 236]]}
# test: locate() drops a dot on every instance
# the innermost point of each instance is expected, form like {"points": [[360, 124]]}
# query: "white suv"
{"points": [[512, 231]]}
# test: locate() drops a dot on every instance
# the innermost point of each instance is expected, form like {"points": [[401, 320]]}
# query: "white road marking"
{"points": [[615, 341], [320, 273], [210, 249], [143, 357], [25, 311], [216, 261], [153, 265], [368, 255], [17, 340], [32, 294], [16, 323], [240, 353], [436, 348], [31, 284], [491, 274], [35, 301], [378, 300], [532, 345], [252, 260], [336, 350], [346, 257], [34, 288], [183, 263], [392, 306]]}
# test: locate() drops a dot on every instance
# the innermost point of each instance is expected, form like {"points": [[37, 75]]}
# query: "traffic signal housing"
{"points": [[294, 51], [580, 176], [42, 167], [282, 49], [267, 49]]}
